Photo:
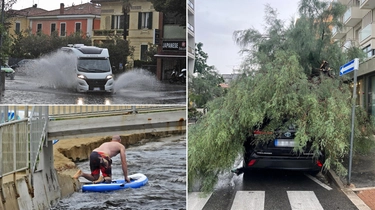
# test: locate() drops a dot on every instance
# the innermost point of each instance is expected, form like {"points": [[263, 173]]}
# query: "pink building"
{"points": [[83, 18]]}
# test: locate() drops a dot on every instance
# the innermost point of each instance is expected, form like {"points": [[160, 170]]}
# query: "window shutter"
{"points": [[149, 25], [140, 20], [113, 22]]}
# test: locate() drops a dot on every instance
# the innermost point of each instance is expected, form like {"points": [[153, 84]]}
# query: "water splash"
{"points": [[56, 70], [137, 79]]}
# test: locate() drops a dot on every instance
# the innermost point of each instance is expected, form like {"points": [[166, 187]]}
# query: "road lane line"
{"points": [[248, 200], [304, 200], [197, 200], [319, 182]]}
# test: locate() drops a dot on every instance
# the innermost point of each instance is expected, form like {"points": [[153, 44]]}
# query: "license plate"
{"points": [[96, 88], [284, 142]]}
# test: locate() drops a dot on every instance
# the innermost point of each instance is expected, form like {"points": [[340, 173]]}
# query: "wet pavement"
{"points": [[163, 161], [362, 181]]}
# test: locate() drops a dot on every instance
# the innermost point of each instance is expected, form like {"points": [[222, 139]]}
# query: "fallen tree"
{"points": [[281, 83]]}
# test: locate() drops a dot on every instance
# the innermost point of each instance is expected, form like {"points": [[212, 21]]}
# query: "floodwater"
{"points": [[51, 79], [163, 161]]}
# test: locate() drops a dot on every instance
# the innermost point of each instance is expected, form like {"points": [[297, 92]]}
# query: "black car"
{"points": [[278, 153]]}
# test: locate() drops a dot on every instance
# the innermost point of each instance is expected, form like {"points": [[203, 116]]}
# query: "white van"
{"points": [[94, 72]]}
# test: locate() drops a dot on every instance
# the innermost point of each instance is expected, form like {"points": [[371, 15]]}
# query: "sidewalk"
{"points": [[362, 182]]}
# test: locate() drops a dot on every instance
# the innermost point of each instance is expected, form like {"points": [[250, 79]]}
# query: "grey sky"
{"points": [[46, 4], [216, 20]]}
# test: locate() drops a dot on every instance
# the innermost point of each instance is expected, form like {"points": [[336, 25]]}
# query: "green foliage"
{"points": [[283, 81], [119, 50], [171, 6], [205, 86]]}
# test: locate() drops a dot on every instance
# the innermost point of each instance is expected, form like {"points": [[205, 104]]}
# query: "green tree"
{"points": [[285, 81], [204, 86], [119, 50], [171, 6]]}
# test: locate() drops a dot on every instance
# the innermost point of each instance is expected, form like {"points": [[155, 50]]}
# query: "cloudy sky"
{"points": [[46, 4], [216, 20]]}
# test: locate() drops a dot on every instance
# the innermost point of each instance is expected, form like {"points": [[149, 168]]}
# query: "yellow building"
{"points": [[140, 23]]}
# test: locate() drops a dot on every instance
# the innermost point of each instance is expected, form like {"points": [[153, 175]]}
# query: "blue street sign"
{"points": [[349, 67]]}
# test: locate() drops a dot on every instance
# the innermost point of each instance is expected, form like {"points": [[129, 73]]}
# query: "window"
{"points": [[78, 27], [62, 29], [53, 27], [18, 28], [118, 22], [368, 51], [145, 20], [143, 52], [39, 28]]}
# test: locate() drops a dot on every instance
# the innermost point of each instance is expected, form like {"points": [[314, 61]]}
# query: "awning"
{"points": [[170, 56]]}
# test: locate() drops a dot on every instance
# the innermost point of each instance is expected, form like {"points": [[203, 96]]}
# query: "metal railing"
{"points": [[38, 133], [14, 147]]}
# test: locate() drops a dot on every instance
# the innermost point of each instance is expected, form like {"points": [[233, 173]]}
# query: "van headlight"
{"points": [[109, 77], [81, 76]]}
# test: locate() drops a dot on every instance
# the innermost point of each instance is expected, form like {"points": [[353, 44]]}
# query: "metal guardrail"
{"points": [[14, 147]]}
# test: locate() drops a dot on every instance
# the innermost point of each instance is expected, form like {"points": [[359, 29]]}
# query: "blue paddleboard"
{"points": [[137, 180]]}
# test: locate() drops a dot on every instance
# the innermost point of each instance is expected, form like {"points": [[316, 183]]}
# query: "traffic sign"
{"points": [[349, 67]]}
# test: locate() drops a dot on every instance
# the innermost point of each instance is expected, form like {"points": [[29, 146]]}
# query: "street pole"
{"points": [[353, 117]]}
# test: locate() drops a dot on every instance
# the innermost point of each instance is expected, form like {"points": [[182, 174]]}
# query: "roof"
{"points": [[31, 11], [80, 9]]}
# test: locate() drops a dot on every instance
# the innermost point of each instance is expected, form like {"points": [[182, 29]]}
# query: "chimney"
{"points": [[61, 8], [35, 6]]}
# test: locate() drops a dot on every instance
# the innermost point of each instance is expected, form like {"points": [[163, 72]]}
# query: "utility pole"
{"points": [[1, 35]]}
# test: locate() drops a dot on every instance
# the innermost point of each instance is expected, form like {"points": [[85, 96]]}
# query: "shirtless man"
{"points": [[100, 160]]}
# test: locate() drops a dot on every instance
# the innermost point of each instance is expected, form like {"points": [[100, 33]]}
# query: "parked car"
{"points": [[9, 72], [22, 63], [278, 153]]}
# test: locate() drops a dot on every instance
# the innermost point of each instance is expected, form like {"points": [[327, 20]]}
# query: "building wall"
{"points": [[69, 28], [136, 37], [191, 36]]}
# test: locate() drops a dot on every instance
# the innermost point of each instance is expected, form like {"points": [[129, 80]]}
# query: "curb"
{"points": [[348, 191]]}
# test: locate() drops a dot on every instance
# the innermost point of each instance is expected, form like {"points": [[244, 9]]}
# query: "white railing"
{"points": [[347, 14], [365, 32], [14, 151], [191, 27]]}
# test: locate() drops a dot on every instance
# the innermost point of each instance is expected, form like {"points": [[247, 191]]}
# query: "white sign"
{"points": [[349, 67]]}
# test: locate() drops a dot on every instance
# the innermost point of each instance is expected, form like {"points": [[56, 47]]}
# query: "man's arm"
{"points": [[124, 163]]}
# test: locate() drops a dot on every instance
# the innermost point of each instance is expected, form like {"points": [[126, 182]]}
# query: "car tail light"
{"points": [[251, 163], [318, 163], [258, 132]]}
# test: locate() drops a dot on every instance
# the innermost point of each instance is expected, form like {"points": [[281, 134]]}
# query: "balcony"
{"points": [[339, 33], [367, 4], [353, 16], [366, 33], [110, 32], [191, 30], [191, 7]]}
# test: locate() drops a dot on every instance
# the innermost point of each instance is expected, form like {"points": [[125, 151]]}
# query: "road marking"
{"points": [[319, 182], [249, 200], [304, 200], [197, 200]]}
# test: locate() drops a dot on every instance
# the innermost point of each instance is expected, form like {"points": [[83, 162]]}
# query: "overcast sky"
{"points": [[216, 20], [46, 4]]}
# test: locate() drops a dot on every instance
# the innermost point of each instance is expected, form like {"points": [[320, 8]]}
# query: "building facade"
{"points": [[191, 36], [138, 25], [359, 30], [83, 18]]}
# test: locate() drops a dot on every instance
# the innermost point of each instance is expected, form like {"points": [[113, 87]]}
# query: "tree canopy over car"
{"points": [[290, 72]]}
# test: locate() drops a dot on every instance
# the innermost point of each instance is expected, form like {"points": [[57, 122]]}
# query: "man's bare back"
{"points": [[110, 148]]}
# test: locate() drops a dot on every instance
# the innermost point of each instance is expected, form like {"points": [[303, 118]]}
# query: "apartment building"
{"points": [[191, 37], [359, 30]]}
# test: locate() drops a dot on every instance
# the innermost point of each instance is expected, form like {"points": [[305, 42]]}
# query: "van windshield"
{"points": [[94, 65]]}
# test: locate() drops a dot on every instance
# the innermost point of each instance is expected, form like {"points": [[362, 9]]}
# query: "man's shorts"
{"points": [[100, 161]]}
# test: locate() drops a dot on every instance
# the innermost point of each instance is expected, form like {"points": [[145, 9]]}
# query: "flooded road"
{"points": [[52, 79], [163, 161]]}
